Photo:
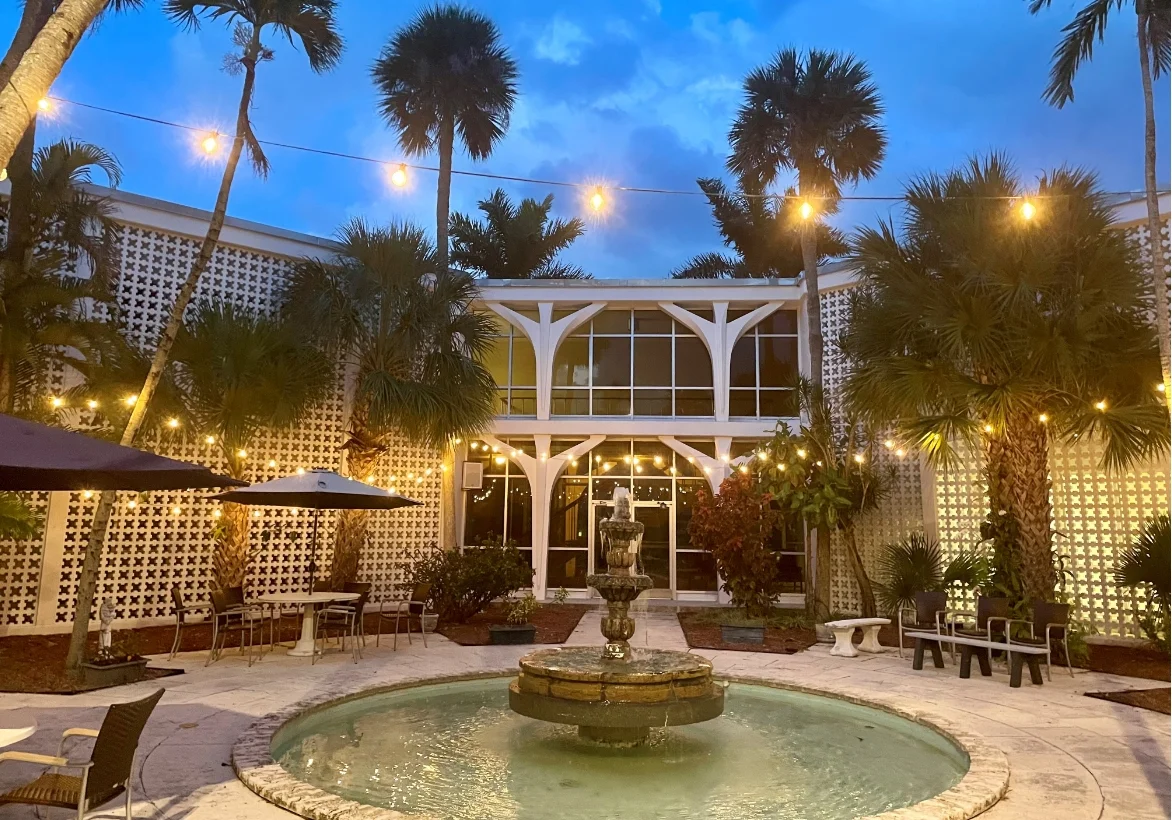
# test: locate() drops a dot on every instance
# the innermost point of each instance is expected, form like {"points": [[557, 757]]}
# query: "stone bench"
{"points": [[844, 632], [1018, 654]]}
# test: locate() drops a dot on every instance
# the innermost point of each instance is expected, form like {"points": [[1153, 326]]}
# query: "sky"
{"points": [[629, 92]]}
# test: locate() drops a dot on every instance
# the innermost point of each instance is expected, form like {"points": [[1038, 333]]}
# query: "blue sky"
{"points": [[636, 92]]}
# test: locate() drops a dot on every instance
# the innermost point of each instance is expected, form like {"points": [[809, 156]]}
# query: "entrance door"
{"points": [[656, 551]]}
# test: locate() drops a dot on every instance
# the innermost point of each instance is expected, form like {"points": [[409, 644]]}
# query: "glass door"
{"points": [[656, 551]]}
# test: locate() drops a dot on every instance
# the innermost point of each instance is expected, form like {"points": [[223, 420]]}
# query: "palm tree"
{"points": [[762, 231], [239, 374], [1153, 30], [46, 310], [310, 22], [446, 72], [515, 242], [410, 343], [979, 326]]}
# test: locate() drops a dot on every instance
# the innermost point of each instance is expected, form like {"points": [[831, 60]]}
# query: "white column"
{"points": [[52, 558], [715, 469]]}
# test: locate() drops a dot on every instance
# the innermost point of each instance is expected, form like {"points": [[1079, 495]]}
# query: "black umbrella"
{"points": [[317, 490], [38, 457]]}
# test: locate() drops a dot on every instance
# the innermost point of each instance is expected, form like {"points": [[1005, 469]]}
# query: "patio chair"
{"points": [[360, 587], [181, 610], [230, 617], [105, 776], [323, 586], [415, 606], [927, 615], [990, 619], [1050, 622], [343, 619]]}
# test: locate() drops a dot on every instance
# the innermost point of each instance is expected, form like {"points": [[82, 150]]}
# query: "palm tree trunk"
{"points": [[89, 576], [352, 524], [1018, 471], [866, 591], [7, 393], [1159, 277], [38, 68], [231, 556], [32, 20], [447, 137]]}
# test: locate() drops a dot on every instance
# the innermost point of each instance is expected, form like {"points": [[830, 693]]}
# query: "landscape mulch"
{"points": [[778, 640], [554, 622], [1156, 700]]}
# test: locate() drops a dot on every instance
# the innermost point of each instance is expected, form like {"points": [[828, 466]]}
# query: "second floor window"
{"points": [[514, 369]]}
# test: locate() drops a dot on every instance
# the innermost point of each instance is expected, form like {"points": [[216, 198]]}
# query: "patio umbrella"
{"points": [[317, 490], [38, 457]]}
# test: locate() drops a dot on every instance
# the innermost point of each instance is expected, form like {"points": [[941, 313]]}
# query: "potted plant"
{"points": [[118, 664], [518, 630]]}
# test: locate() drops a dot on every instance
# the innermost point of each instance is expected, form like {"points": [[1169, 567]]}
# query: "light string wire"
{"points": [[582, 186]]}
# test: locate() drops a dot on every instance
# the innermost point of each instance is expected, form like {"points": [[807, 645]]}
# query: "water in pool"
{"points": [[456, 751]]}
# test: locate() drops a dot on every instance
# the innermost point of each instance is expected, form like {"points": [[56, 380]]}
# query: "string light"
{"points": [[217, 513], [597, 200], [889, 444], [210, 439], [805, 210], [744, 468], [92, 404], [707, 470], [172, 423], [399, 175], [87, 494], [256, 513], [56, 401], [44, 104], [626, 459], [1028, 210], [988, 428], [900, 453], [1160, 388], [132, 503], [498, 460], [130, 400], [860, 458], [370, 479], [241, 454], [724, 457], [1043, 418], [1101, 405], [176, 510], [272, 462], [210, 143], [801, 453], [300, 471], [781, 467]]}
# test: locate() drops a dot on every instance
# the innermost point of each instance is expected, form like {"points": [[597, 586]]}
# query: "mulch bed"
{"points": [[1132, 661], [778, 640], [554, 624], [1155, 700]]}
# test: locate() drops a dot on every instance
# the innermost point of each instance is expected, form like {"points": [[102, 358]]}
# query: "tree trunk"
{"points": [[7, 377], [32, 20], [39, 67], [444, 191], [352, 524], [1018, 471], [87, 583], [1159, 277], [866, 592], [231, 556]]}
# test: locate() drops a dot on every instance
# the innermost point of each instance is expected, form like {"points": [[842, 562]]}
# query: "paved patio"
{"points": [[1070, 757]]}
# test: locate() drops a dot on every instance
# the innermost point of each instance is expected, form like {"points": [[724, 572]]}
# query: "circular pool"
{"points": [[456, 750]]}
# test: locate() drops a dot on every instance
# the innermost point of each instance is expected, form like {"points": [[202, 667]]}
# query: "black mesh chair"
{"points": [[990, 620], [343, 619], [415, 606], [928, 615], [105, 776], [1050, 623], [181, 610], [230, 615]]}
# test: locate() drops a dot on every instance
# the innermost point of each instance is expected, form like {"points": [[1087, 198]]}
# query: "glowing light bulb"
{"points": [[860, 458], [3, 174], [638, 468], [781, 468], [172, 423], [300, 471], [475, 445], [44, 104], [744, 468], [56, 401], [87, 494], [658, 461], [1028, 210], [399, 176], [988, 428], [1161, 387], [499, 459], [724, 457], [671, 470], [597, 200], [899, 453], [209, 439], [708, 470], [626, 459], [428, 471], [92, 404], [272, 462], [176, 510], [130, 400], [1042, 417], [241, 454], [573, 462], [457, 441], [217, 513], [211, 143], [805, 210], [256, 513], [370, 478], [889, 444], [1101, 405], [801, 453], [132, 503]]}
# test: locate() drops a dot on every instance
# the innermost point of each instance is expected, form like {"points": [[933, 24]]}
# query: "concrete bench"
{"points": [[844, 632], [969, 647]]}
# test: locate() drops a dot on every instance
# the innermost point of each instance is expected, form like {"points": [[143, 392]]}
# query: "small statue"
{"points": [[622, 504], [106, 615]]}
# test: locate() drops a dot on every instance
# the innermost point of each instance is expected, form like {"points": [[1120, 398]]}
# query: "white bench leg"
{"points": [[843, 647], [870, 640]]}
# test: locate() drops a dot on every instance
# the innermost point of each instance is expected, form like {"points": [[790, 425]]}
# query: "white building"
{"points": [[660, 385]]}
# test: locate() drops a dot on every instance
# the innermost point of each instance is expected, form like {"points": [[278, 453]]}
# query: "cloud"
{"points": [[707, 26], [561, 42]]}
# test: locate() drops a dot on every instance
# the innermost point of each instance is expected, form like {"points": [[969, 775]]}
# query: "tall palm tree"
{"points": [[763, 231], [446, 72], [977, 326], [240, 374], [816, 116], [515, 242], [1153, 24], [410, 343], [309, 22], [46, 309]]}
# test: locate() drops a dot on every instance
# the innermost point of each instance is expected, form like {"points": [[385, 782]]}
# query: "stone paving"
{"points": [[1070, 757]]}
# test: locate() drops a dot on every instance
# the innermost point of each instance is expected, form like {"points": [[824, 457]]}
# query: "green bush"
{"points": [[1147, 565], [464, 582], [522, 610], [915, 564]]}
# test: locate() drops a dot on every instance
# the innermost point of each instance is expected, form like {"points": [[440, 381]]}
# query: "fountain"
{"points": [[615, 696]]}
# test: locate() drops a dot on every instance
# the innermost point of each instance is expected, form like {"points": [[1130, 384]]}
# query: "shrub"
{"points": [[735, 526], [522, 610], [464, 582], [1147, 564], [916, 565]]}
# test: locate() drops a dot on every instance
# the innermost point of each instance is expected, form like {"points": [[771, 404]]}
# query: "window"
{"points": [[764, 369], [503, 506], [788, 543], [513, 366], [632, 363]]}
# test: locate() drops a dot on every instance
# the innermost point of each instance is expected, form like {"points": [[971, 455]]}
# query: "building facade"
{"points": [[662, 386]]}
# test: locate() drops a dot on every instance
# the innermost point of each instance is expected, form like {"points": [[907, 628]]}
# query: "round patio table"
{"points": [[309, 602], [15, 728]]}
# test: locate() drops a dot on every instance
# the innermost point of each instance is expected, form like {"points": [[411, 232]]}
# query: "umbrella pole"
{"points": [[313, 552]]}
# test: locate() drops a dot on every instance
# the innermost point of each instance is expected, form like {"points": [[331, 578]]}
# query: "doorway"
{"points": [[656, 555]]}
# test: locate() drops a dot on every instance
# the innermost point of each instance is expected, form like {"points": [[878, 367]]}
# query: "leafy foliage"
{"points": [[735, 525], [1147, 565], [464, 582], [915, 564], [515, 242], [523, 609], [763, 231], [19, 521]]}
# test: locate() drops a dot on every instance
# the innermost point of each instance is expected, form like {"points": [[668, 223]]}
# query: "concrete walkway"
{"points": [[1071, 757]]}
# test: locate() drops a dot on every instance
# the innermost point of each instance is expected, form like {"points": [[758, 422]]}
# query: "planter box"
{"points": [[114, 674], [430, 622], [742, 634], [506, 634]]}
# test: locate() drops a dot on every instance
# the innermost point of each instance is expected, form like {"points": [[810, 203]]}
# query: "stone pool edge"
{"points": [[982, 786]]}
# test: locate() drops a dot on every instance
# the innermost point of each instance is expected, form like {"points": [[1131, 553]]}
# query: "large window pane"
{"points": [[520, 504], [484, 515], [743, 371], [523, 402], [524, 363], [685, 504], [694, 403], [654, 457], [783, 321], [693, 364], [652, 489], [496, 360], [652, 402], [569, 513], [612, 403], [779, 403], [612, 458], [653, 361], [613, 321], [695, 571], [570, 402], [779, 361], [742, 402], [566, 568], [612, 362], [652, 321], [502, 401], [571, 363]]}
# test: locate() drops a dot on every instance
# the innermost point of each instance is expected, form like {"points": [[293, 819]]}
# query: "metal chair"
{"points": [[107, 773], [181, 610], [928, 615], [990, 618], [345, 620], [360, 587], [415, 606], [228, 617], [1053, 621]]}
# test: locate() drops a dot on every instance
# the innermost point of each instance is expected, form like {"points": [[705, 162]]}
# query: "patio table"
{"points": [[309, 602], [15, 728]]}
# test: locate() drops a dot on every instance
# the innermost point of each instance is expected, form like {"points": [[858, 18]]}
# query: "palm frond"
{"points": [[1077, 45], [1147, 562], [19, 520]]}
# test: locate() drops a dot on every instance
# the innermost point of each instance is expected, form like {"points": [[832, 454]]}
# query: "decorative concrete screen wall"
{"points": [[165, 539]]}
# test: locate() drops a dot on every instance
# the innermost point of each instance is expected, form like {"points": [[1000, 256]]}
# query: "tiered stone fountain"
{"points": [[616, 696]]}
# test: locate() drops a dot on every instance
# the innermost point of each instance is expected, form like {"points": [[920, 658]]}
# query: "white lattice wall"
{"points": [[20, 575]]}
